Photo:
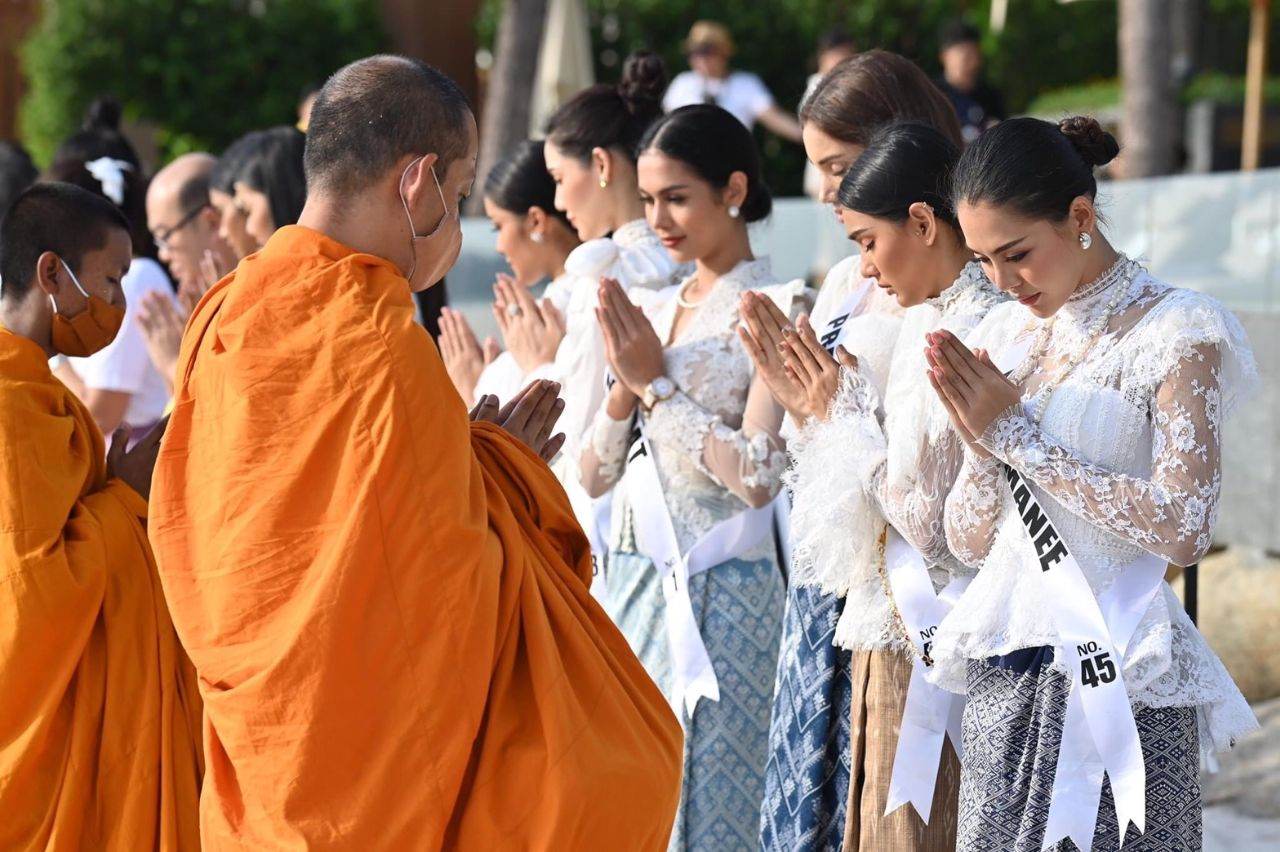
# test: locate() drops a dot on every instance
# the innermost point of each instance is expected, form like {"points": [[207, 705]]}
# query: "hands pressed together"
{"points": [[531, 330], [464, 358], [529, 416], [969, 384], [133, 465], [799, 372], [631, 345]]}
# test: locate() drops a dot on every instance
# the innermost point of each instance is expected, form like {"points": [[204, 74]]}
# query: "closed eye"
{"points": [[1018, 257]]}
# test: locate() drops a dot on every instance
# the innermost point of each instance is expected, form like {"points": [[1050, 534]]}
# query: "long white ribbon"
{"points": [[691, 667], [931, 713], [834, 331], [1099, 732]]}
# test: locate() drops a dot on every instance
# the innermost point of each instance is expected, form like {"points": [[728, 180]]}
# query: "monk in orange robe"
{"points": [[99, 709], [388, 604]]}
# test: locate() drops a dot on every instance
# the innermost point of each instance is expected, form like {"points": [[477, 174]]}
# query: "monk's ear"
{"points": [[49, 274], [416, 181]]}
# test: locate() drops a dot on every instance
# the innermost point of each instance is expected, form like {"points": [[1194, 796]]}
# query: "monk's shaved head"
{"points": [[186, 180], [372, 113], [59, 217]]}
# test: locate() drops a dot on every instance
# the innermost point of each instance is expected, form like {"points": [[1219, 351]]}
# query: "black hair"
{"points": [[1034, 167], [272, 165], [223, 175], [611, 117], [712, 142], [958, 31], [99, 136], [17, 172], [69, 221], [373, 112], [835, 38], [521, 181], [132, 204], [904, 163]]}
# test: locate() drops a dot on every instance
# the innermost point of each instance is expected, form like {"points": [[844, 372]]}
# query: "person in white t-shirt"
{"points": [[119, 384], [710, 81]]}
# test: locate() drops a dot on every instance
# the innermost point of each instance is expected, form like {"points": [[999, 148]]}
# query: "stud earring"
{"points": [[734, 212], [604, 184], [1085, 241], [536, 237]]}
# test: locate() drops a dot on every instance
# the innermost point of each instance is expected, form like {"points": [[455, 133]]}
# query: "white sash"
{"points": [[691, 667], [834, 331], [931, 713], [1099, 733]]}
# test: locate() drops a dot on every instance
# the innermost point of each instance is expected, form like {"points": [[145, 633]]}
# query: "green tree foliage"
{"points": [[202, 71]]}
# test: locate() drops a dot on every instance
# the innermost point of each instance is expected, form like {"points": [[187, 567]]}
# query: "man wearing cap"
{"points": [[710, 81]]}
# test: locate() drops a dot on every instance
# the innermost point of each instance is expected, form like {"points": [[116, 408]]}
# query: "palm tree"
{"points": [[1149, 100]]}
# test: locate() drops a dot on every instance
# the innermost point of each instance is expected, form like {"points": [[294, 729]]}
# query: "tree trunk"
{"points": [[505, 122], [1149, 107]]}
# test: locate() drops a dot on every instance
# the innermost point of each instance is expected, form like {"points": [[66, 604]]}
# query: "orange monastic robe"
{"points": [[99, 711], [388, 606]]}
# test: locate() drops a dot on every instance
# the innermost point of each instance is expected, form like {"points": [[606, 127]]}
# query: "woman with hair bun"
{"points": [[590, 153], [1092, 410], [820, 769], [869, 480], [536, 240], [689, 435]]}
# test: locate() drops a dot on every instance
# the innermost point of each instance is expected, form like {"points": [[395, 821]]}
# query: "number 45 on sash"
{"points": [[1096, 666]]}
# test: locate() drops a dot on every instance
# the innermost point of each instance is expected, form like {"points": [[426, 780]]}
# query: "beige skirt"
{"points": [[880, 681]]}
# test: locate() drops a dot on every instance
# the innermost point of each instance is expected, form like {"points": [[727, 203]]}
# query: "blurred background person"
{"points": [[17, 172], [222, 195], [978, 105], [834, 47], [184, 224], [306, 98], [711, 81], [119, 384], [99, 136], [269, 185], [535, 239]]}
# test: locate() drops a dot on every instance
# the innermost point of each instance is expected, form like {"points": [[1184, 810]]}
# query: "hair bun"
{"points": [[103, 114], [1095, 146], [644, 81]]}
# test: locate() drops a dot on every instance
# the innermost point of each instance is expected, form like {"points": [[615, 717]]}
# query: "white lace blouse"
{"points": [[1128, 454], [871, 462], [716, 442]]}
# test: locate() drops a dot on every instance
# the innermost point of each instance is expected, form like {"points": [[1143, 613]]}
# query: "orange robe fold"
{"points": [[388, 606], [99, 709]]}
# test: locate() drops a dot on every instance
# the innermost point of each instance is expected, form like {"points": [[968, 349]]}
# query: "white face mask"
{"points": [[444, 259]]}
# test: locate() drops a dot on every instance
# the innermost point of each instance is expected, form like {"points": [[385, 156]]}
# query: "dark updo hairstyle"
{"points": [[1034, 167], [133, 203], [521, 181], [611, 117], [904, 163], [872, 89], [99, 136], [712, 142]]}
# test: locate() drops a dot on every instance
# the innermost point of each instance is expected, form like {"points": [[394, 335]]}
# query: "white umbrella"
{"points": [[565, 65]]}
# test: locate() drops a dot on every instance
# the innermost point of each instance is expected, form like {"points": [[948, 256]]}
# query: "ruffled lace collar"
{"points": [[1088, 303], [635, 233], [970, 279]]}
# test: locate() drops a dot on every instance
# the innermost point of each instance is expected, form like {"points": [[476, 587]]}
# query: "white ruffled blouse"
{"points": [[874, 462], [716, 442], [1128, 453]]}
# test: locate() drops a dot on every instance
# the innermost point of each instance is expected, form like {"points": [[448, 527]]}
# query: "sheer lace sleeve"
{"points": [[748, 461], [973, 508], [1171, 514], [604, 452]]}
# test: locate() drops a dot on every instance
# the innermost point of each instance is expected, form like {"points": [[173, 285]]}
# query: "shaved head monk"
{"points": [[99, 711], [386, 599]]}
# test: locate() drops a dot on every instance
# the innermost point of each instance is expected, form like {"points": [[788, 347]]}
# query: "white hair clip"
{"points": [[110, 173]]}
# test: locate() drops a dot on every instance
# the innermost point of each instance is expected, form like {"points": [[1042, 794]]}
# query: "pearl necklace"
{"points": [[685, 303], [1118, 276]]}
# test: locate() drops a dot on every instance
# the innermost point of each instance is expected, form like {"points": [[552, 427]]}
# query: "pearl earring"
{"points": [[536, 237], [604, 184], [734, 212], [1085, 241]]}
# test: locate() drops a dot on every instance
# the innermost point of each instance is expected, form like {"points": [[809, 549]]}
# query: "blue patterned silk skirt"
{"points": [[739, 610]]}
